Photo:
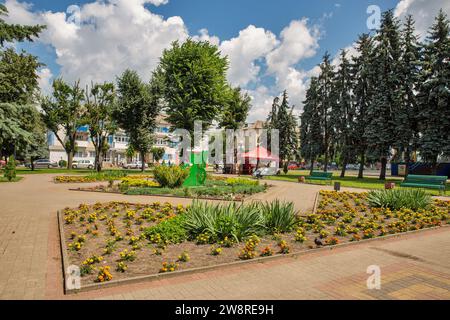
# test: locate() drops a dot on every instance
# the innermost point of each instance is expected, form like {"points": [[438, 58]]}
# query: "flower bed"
{"points": [[232, 189], [117, 240], [97, 177]]}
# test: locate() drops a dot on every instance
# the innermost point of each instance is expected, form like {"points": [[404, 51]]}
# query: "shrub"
{"points": [[279, 216], [241, 182], [171, 177], [140, 183], [10, 169], [171, 230], [396, 199]]}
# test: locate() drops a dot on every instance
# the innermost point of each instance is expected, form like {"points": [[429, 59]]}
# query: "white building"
{"points": [[118, 146]]}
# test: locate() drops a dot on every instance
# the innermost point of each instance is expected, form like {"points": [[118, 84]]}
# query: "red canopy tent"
{"points": [[260, 153]]}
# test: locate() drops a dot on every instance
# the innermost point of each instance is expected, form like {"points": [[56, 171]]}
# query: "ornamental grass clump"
{"points": [[170, 177], [279, 216], [397, 199]]}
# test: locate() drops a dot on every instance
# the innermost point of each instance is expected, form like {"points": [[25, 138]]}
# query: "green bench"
{"points": [[429, 182], [320, 176]]}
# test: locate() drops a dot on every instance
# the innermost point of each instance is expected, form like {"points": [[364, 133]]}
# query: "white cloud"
{"points": [[252, 44], [262, 101], [45, 80], [423, 12], [111, 37], [297, 42], [204, 36]]}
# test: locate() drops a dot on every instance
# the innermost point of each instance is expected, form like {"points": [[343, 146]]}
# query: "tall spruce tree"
{"points": [[434, 93], [343, 115], [381, 130], [406, 117], [326, 102], [287, 125], [363, 91], [311, 140]]}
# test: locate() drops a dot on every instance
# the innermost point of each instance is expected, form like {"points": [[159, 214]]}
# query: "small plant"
{"points": [[215, 251], [170, 177], [121, 267], [355, 237], [184, 257], [331, 241], [248, 252], [126, 255], [169, 267], [104, 274], [267, 252], [397, 199], [284, 247], [323, 234], [10, 169]]}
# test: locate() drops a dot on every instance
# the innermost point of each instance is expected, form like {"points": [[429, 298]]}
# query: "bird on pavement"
{"points": [[318, 242]]}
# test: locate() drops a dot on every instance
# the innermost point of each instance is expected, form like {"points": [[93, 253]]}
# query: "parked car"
{"points": [[83, 164], [264, 172], [44, 164], [293, 166], [135, 165], [353, 166]]}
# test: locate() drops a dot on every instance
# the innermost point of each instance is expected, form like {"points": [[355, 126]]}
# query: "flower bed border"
{"points": [[159, 276], [162, 196]]}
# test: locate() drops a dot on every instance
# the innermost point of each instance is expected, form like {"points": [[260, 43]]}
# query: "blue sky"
{"points": [[272, 45]]}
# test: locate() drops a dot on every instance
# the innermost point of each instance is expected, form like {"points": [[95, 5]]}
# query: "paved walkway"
{"points": [[415, 266]]}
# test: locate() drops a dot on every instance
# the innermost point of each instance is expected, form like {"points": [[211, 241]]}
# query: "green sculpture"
{"points": [[197, 175]]}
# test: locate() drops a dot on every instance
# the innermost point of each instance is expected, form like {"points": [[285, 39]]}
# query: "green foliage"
{"points": [[241, 182], [236, 110], [136, 111], [223, 221], [158, 153], [15, 32], [10, 169], [100, 104], [170, 177], [396, 199], [278, 216], [64, 110], [170, 231], [193, 81]]}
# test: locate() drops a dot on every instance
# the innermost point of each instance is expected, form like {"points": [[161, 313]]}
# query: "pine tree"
{"points": [[363, 91], [326, 102], [434, 93], [311, 138], [343, 115], [287, 124], [406, 117], [381, 130]]}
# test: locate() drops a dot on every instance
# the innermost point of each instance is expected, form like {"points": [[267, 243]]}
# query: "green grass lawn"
{"points": [[3, 179], [26, 171], [351, 181]]}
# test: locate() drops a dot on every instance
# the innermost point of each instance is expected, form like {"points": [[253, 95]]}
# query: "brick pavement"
{"points": [[413, 267]]}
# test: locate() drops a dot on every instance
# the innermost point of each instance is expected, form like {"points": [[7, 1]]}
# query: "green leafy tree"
{"points": [[194, 86], [234, 115], [381, 129], [100, 105], [434, 93], [63, 113], [136, 111], [11, 129]]}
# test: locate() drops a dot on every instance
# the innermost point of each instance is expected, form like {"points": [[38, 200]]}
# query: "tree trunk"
{"points": [[312, 166], [434, 167], [99, 161], [407, 160], [69, 160], [143, 161], [32, 163], [361, 165], [383, 168], [344, 167], [325, 167]]}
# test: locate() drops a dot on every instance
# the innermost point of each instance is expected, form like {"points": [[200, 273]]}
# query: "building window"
{"points": [[79, 155], [92, 154]]}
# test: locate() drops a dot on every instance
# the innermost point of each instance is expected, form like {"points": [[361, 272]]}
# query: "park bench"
{"points": [[320, 176], [429, 182]]}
